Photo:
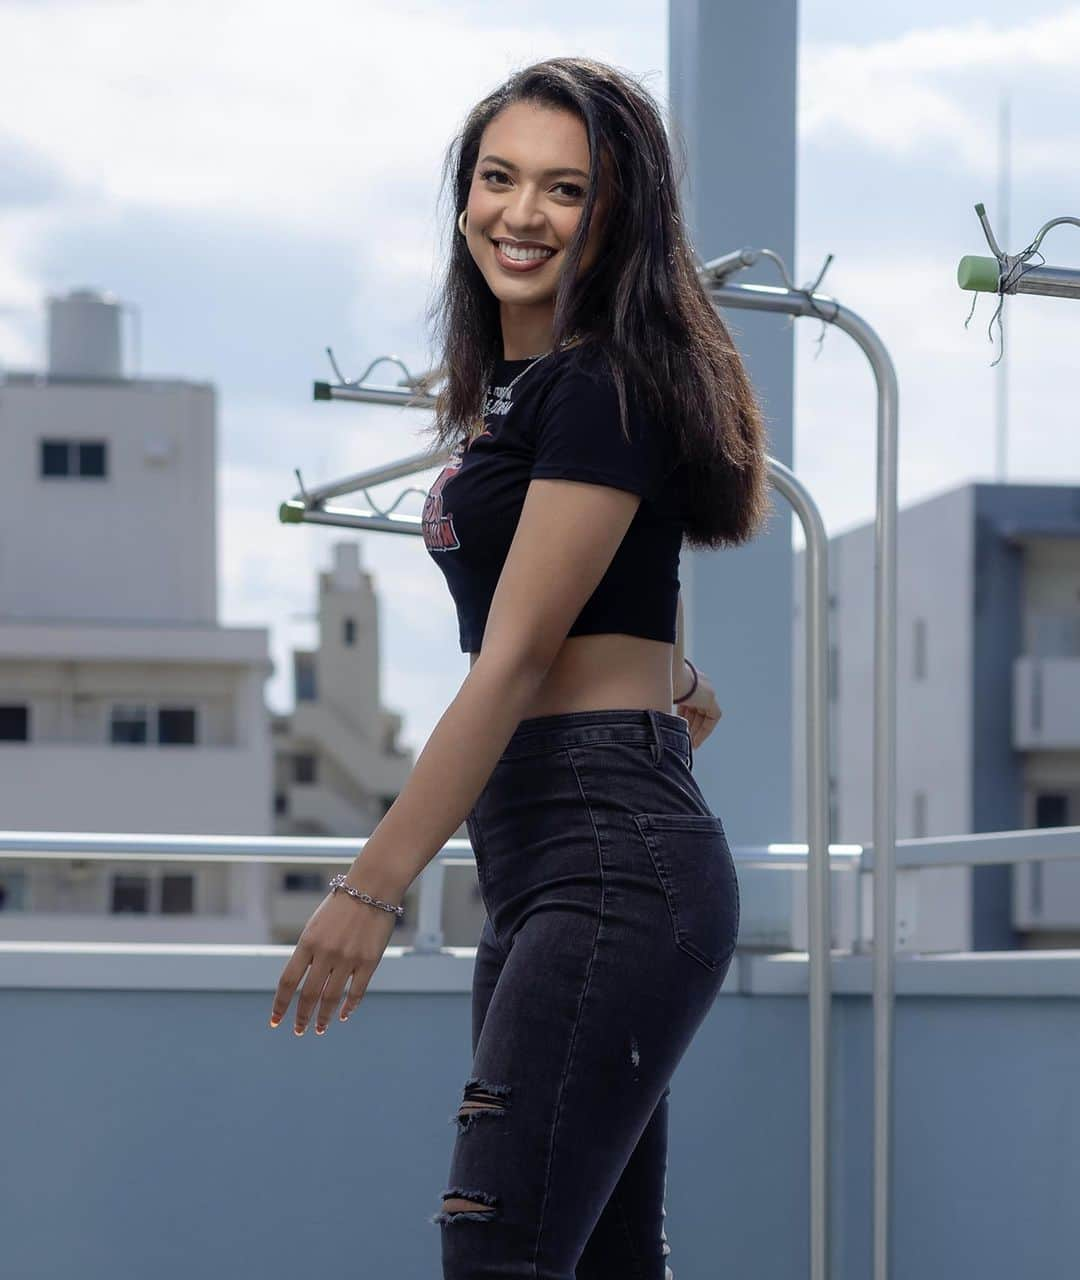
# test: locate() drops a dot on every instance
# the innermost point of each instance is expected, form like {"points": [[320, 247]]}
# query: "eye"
{"points": [[575, 191], [492, 173]]}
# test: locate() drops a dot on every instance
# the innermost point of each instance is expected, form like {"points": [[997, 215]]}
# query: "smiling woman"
{"points": [[599, 416], [523, 212]]}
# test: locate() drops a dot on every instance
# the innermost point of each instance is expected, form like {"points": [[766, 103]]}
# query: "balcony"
{"points": [[154, 1124], [1046, 703]]}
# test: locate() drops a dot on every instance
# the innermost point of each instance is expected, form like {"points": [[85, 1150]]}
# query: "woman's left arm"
{"points": [[566, 537]]}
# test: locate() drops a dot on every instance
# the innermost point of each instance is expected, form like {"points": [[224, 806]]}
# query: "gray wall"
{"points": [[732, 77], [934, 715], [997, 768], [168, 1132]]}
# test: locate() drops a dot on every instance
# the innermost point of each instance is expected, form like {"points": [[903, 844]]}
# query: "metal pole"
{"points": [[798, 302], [818, 866]]}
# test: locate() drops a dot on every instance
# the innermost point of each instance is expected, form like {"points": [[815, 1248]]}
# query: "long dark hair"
{"points": [[641, 300]]}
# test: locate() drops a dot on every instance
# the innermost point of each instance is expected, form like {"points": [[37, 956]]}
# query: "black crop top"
{"points": [[562, 421]]}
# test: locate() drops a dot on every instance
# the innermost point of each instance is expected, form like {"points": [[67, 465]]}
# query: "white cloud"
{"points": [[938, 88], [308, 118]]}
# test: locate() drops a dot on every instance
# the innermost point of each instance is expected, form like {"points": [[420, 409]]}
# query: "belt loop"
{"points": [[658, 744]]}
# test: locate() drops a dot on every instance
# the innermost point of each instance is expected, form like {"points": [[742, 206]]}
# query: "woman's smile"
{"points": [[512, 258]]}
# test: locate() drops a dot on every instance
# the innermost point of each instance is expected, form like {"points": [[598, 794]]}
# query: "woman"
{"points": [[601, 416]]}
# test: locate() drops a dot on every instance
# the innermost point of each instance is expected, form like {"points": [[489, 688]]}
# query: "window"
{"points": [[130, 894], [302, 881], [281, 802], [920, 649], [78, 458], [177, 894], [349, 630], [12, 890], [304, 677], [304, 768], [14, 723], [129, 723], [91, 459], [1051, 809], [919, 814], [176, 726]]}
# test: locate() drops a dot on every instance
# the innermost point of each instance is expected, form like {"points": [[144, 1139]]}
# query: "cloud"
{"points": [[319, 117], [929, 89]]}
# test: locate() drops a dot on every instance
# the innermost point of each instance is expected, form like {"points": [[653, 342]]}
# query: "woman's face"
{"points": [[527, 190]]}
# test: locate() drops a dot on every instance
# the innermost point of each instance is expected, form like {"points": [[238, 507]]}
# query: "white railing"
{"points": [[1025, 846]]}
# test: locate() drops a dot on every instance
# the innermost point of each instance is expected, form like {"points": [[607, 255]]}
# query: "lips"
{"points": [[518, 265]]}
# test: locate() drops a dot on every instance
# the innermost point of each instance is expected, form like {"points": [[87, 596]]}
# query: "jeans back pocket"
{"points": [[693, 863]]}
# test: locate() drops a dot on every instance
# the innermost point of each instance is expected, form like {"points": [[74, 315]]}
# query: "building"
{"points": [[124, 705], [987, 699]]}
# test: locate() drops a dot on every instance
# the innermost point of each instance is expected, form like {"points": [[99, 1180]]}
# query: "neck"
{"points": [[526, 330]]}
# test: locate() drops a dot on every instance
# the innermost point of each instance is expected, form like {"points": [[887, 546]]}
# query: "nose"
{"points": [[522, 211]]}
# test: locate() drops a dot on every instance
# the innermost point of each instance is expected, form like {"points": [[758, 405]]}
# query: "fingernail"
{"points": [[274, 1021], [319, 1030], [298, 1031], [344, 1017]]}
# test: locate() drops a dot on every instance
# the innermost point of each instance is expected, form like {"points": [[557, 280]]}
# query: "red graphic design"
{"points": [[436, 524]]}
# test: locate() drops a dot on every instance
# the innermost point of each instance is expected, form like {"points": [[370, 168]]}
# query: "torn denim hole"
{"points": [[447, 1216], [486, 1099]]}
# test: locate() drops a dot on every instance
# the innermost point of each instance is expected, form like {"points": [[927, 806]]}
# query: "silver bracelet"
{"points": [[338, 882]]}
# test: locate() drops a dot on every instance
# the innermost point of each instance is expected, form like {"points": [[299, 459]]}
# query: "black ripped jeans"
{"points": [[612, 916]]}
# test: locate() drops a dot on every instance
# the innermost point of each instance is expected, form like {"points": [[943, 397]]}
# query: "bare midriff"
{"points": [[602, 672]]}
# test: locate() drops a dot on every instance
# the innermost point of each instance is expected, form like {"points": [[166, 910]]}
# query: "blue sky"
{"points": [[262, 186]]}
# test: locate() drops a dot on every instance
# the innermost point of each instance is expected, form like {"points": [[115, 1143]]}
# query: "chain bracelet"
{"points": [[338, 882]]}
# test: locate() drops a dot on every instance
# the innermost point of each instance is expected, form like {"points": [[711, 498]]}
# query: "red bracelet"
{"points": [[690, 691]]}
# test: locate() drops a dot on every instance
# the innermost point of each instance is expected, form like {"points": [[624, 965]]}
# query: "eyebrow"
{"points": [[547, 173]]}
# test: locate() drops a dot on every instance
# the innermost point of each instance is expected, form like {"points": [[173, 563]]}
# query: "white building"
{"points": [[987, 700], [124, 705], [338, 765]]}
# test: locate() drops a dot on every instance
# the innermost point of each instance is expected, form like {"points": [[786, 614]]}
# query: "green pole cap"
{"points": [[291, 512], [978, 274]]}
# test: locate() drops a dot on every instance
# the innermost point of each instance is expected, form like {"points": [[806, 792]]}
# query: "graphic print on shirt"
{"points": [[436, 523]]}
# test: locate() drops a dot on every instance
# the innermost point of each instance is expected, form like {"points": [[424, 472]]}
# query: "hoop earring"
{"points": [[461, 222]]}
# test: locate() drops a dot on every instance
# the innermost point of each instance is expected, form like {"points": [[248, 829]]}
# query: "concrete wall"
{"points": [[139, 543], [934, 709], [154, 1125], [740, 190]]}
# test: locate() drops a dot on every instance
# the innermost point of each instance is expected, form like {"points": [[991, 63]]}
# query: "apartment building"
{"points": [[987, 700]]}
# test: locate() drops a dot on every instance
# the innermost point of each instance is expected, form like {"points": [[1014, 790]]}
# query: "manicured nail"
{"points": [[298, 1030], [344, 1017], [320, 1029], [274, 1021]]}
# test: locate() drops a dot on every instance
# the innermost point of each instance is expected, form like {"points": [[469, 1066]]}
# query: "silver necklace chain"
{"points": [[501, 403]]}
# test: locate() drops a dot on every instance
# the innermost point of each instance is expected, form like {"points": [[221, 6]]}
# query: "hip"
{"points": [[595, 817]]}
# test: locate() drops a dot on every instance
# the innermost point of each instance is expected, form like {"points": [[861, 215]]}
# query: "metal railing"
{"points": [[987, 848]]}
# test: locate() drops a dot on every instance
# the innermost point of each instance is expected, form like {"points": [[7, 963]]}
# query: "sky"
{"points": [[261, 181]]}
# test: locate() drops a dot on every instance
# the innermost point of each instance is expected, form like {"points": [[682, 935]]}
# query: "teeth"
{"points": [[523, 255]]}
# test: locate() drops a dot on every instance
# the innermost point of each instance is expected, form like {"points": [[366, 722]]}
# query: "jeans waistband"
{"points": [[579, 728]]}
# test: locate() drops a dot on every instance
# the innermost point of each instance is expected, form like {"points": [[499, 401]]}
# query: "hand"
{"points": [[343, 939], [700, 710]]}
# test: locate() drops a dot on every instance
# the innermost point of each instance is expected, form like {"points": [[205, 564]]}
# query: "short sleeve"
{"points": [[579, 436]]}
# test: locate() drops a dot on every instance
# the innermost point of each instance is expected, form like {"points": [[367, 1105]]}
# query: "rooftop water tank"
{"points": [[84, 335]]}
